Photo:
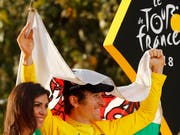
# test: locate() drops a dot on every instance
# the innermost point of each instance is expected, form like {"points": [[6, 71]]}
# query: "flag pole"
{"points": [[31, 8]]}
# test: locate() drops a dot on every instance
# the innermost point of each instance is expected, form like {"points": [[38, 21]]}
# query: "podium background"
{"points": [[128, 44]]}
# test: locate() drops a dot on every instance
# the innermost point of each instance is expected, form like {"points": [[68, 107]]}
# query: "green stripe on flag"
{"points": [[151, 129], [37, 132]]}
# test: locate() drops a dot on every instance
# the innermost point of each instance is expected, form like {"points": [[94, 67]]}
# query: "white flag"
{"points": [[49, 64]]}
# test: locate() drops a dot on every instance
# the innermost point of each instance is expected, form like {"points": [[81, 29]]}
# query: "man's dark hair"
{"points": [[80, 90]]}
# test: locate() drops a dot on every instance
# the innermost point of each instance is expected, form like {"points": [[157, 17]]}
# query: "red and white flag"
{"points": [[51, 70]]}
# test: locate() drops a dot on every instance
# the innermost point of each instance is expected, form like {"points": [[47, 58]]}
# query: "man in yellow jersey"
{"points": [[83, 102]]}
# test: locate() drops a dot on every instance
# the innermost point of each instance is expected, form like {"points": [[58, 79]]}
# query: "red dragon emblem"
{"points": [[115, 110]]}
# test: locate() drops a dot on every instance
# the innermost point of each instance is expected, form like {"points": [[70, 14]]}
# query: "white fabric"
{"points": [[136, 91], [45, 55], [139, 89], [49, 63]]}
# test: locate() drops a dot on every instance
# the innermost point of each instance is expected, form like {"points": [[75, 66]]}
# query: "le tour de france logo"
{"points": [[159, 26]]}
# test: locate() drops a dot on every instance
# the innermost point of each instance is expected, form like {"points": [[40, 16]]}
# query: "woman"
{"points": [[26, 109]]}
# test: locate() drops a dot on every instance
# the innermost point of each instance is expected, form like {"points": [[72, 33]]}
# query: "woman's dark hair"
{"points": [[19, 112]]}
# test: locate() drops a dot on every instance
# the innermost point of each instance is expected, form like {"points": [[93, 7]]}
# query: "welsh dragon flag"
{"points": [[51, 70]]}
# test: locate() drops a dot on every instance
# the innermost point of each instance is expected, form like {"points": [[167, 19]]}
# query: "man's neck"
{"points": [[79, 118]]}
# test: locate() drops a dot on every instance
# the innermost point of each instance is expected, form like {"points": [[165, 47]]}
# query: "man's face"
{"points": [[89, 108]]}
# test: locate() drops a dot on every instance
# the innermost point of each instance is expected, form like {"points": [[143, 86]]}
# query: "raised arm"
{"points": [[157, 60], [26, 45], [134, 122]]}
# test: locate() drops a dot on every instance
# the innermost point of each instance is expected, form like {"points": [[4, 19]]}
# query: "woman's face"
{"points": [[40, 109]]}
